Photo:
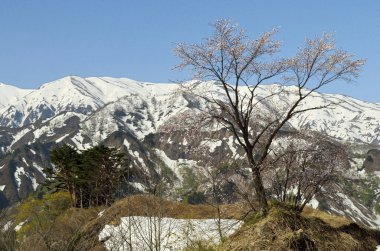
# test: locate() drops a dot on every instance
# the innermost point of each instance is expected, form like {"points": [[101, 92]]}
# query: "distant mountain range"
{"points": [[127, 114]]}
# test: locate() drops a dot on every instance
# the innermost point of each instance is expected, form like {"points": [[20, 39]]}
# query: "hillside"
{"points": [[313, 230], [128, 115], [177, 226]]}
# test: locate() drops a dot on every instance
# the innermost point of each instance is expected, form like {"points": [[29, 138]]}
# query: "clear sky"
{"points": [[43, 40]]}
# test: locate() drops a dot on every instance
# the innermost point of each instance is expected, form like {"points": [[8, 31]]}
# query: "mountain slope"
{"points": [[73, 94], [127, 114], [10, 94], [351, 120]]}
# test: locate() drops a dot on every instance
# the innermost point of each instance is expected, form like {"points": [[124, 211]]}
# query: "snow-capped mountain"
{"points": [[350, 120], [127, 114], [73, 94], [10, 94]]}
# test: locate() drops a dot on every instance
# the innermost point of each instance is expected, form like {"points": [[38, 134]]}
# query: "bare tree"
{"points": [[237, 66], [301, 165]]}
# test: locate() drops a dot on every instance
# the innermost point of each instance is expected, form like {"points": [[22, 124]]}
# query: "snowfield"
{"points": [[140, 233]]}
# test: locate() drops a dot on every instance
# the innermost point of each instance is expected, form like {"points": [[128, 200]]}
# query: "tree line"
{"points": [[93, 177]]}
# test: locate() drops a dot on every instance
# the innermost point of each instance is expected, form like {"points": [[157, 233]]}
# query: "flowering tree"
{"points": [[236, 66]]}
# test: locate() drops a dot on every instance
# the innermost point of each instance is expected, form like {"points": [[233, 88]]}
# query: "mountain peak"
{"points": [[10, 94], [349, 119]]}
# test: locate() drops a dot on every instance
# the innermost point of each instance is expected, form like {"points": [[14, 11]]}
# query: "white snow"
{"points": [[19, 226], [10, 94], [314, 203], [7, 225], [184, 142], [39, 168], [78, 141], [20, 134], [61, 138], [40, 131], [100, 214], [2, 187], [168, 233], [34, 183], [174, 165], [212, 144], [138, 186], [18, 173], [24, 160], [231, 146], [137, 155], [353, 210], [126, 143]]}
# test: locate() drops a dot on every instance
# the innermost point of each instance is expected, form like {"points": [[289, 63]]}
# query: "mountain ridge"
{"points": [[86, 95], [127, 114]]}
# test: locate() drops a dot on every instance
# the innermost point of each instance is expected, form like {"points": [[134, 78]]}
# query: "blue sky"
{"points": [[41, 41]]}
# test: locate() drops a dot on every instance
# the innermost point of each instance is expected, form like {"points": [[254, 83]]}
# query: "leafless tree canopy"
{"points": [[236, 66], [301, 165]]}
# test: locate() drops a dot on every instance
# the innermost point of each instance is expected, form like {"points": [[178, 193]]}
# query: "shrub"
{"points": [[195, 198], [39, 213]]}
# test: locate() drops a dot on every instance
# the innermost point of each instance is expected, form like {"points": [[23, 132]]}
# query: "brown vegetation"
{"points": [[78, 229], [284, 229]]}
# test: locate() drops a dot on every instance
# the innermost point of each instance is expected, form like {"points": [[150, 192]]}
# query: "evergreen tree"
{"points": [[105, 169], [63, 175], [92, 177]]}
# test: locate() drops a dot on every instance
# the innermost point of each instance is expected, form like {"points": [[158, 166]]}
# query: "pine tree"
{"points": [[66, 162], [93, 177]]}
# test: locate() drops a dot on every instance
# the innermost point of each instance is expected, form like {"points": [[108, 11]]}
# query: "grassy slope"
{"points": [[280, 230], [283, 229]]}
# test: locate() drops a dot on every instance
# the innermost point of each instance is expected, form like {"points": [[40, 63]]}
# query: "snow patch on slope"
{"points": [[212, 144], [168, 233], [175, 165], [18, 173]]}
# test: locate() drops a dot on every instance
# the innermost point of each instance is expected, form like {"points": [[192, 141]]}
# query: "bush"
{"points": [[200, 246], [364, 189], [195, 198], [39, 213], [51, 224]]}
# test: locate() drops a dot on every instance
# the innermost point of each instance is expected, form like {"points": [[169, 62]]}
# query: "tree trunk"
{"points": [[81, 198], [258, 185], [72, 194]]}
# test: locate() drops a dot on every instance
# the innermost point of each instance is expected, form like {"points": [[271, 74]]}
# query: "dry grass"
{"points": [[332, 220], [143, 205], [283, 229]]}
